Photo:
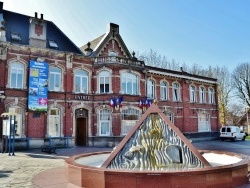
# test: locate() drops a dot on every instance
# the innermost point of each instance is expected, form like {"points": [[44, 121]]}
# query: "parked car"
{"points": [[231, 132]]}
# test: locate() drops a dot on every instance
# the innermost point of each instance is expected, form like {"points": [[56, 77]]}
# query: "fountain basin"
{"points": [[227, 170]]}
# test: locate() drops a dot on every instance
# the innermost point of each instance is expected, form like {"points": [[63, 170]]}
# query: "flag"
{"points": [[112, 103], [120, 101], [147, 103], [140, 104]]}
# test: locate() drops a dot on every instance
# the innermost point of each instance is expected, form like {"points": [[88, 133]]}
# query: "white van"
{"points": [[231, 132]]}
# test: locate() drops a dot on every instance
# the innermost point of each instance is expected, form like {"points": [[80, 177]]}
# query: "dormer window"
{"points": [[53, 44], [16, 37]]}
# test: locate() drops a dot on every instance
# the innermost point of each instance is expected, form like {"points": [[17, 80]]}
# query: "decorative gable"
{"points": [[155, 144], [108, 43]]}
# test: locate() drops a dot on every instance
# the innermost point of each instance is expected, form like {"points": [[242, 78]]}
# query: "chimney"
{"points": [[35, 14], [41, 17]]}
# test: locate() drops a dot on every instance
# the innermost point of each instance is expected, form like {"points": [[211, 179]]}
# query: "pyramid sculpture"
{"points": [[155, 144]]}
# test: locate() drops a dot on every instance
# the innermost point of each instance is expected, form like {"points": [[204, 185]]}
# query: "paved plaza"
{"points": [[38, 169]]}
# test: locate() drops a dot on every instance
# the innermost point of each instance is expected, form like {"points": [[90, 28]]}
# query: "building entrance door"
{"points": [[81, 132]]}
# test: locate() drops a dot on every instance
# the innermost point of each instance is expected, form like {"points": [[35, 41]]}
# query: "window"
{"points": [[164, 90], [15, 37], [211, 95], [54, 125], [19, 121], [129, 83], [54, 79], [204, 122], [202, 95], [104, 119], [151, 89], [176, 92], [112, 55], [170, 116], [192, 93], [16, 75], [104, 80], [53, 44], [81, 81], [129, 119]]}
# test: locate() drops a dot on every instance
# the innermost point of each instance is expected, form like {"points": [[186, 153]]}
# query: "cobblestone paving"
{"points": [[17, 171]]}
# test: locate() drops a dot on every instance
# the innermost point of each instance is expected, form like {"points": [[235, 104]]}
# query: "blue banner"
{"points": [[38, 86]]}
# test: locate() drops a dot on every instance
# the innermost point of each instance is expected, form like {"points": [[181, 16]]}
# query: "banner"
{"points": [[38, 86]]}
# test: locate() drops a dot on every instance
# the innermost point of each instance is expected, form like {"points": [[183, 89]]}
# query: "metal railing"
{"points": [[121, 60]]}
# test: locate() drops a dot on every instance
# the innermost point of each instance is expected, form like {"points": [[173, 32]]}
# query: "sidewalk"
{"points": [[37, 169]]}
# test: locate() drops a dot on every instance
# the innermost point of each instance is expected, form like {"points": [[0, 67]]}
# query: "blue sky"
{"points": [[206, 32]]}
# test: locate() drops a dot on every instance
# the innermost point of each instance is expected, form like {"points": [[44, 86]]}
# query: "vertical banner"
{"points": [[38, 86]]}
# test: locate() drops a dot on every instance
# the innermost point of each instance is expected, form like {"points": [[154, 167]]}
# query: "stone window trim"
{"points": [[25, 65]]}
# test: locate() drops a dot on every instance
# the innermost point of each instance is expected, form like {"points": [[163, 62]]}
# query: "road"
{"points": [[242, 147]]}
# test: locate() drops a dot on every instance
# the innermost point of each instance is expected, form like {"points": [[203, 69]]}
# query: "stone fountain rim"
{"points": [[244, 161]]}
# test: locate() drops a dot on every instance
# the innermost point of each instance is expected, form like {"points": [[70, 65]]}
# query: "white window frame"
{"points": [[104, 120], [150, 88], [129, 81], [204, 124], [176, 92], [55, 75], [127, 125], [105, 76], [82, 75], [202, 92], [54, 127], [163, 90], [211, 95], [170, 116], [192, 93], [16, 75]]}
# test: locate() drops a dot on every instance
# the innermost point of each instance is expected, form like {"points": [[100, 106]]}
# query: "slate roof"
{"points": [[93, 43], [19, 23]]}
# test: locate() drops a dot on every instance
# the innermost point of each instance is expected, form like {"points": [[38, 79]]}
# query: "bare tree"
{"points": [[241, 82]]}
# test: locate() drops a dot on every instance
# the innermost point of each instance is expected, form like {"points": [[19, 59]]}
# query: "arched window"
{"points": [[176, 92], [150, 89], [104, 82], [192, 93], [211, 95], [16, 76], [129, 83], [55, 76], [104, 122], [130, 117], [112, 55], [81, 78], [202, 95], [54, 128], [164, 90]]}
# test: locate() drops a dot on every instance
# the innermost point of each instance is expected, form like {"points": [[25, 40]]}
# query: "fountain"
{"points": [[156, 154]]}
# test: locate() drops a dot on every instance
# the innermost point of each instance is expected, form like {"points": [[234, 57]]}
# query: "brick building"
{"points": [[95, 93]]}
